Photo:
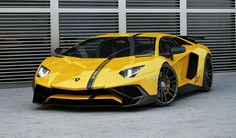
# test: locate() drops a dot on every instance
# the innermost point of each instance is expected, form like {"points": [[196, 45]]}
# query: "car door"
{"points": [[178, 61]]}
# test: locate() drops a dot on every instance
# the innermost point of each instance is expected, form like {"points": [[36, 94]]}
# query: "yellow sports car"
{"points": [[124, 70]]}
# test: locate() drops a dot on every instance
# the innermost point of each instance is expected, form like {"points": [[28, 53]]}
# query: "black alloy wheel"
{"points": [[167, 86], [208, 75]]}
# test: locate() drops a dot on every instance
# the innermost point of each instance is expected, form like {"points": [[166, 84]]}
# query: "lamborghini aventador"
{"points": [[124, 70]]}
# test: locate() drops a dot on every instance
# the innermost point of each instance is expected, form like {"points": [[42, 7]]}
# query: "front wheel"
{"points": [[167, 86]]}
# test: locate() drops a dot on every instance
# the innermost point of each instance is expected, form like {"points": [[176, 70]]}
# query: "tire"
{"points": [[208, 75], [167, 86]]}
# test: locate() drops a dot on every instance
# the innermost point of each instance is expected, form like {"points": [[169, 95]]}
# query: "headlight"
{"points": [[43, 71], [128, 73]]}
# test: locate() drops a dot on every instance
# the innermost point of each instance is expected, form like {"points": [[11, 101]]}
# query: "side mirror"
{"points": [[60, 50], [176, 50]]}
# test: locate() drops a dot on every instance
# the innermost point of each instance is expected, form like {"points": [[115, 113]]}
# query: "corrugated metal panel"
{"points": [[160, 4], [219, 32], [75, 27], [24, 3], [153, 22], [88, 3], [211, 4], [24, 43]]}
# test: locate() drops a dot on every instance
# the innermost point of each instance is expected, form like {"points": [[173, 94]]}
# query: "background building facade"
{"points": [[30, 30]]}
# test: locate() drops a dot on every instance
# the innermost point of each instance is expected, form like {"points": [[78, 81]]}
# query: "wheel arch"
{"points": [[202, 54], [171, 69]]}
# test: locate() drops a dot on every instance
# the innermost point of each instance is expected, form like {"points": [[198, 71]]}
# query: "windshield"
{"points": [[112, 47]]}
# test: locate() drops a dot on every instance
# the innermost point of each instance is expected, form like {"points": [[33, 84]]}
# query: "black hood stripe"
{"points": [[95, 74]]}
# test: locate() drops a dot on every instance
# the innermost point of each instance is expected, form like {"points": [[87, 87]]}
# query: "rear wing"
{"points": [[192, 38]]}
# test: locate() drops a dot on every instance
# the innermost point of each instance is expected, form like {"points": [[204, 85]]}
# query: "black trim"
{"points": [[132, 95], [95, 73], [187, 88], [192, 38], [192, 65]]}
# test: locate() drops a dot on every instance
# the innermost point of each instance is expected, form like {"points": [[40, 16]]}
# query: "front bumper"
{"points": [[119, 97]]}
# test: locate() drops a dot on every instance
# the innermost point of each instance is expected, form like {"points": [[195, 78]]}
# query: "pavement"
{"points": [[197, 114]]}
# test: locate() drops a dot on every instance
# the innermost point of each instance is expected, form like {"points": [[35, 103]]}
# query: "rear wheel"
{"points": [[167, 86], [208, 75]]}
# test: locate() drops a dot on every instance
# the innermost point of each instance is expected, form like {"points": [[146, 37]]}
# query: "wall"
{"points": [[30, 30]]}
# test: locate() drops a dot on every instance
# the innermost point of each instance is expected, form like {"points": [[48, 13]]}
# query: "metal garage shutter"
{"points": [[24, 3], [163, 4], [219, 32], [75, 27], [153, 22], [24, 43], [211, 4], [88, 3]]}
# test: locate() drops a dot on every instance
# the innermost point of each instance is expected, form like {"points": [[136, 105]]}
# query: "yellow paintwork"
{"points": [[108, 97], [82, 97], [69, 97], [64, 70]]}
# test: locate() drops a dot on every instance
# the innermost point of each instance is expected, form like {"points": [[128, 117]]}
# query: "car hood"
{"points": [[64, 70]]}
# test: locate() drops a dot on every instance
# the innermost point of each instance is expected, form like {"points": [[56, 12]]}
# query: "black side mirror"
{"points": [[60, 50], [177, 50]]}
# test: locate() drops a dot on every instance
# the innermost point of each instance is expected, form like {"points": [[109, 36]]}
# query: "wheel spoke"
{"points": [[171, 77], [209, 80], [170, 89], [162, 76], [166, 71], [172, 82], [208, 63], [170, 93], [164, 96], [167, 82]]}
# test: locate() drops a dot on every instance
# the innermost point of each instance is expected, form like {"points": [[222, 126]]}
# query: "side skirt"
{"points": [[187, 88]]}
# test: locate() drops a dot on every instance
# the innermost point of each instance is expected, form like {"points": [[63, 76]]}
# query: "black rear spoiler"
{"points": [[192, 38]]}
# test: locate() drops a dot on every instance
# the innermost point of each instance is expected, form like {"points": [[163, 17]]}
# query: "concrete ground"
{"points": [[200, 115]]}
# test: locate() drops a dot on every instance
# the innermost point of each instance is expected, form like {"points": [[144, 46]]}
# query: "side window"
{"points": [[165, 46]]}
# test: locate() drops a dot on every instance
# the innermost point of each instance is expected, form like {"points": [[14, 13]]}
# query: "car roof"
{"points": [[148, 34]]}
